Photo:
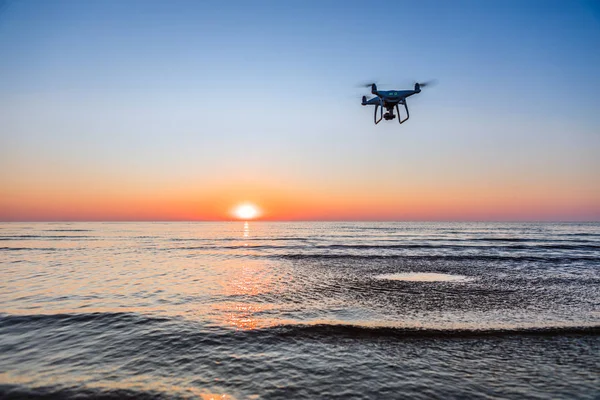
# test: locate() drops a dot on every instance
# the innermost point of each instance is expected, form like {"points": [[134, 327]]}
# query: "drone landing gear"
{"points": [[400, 120], [380, 114]]}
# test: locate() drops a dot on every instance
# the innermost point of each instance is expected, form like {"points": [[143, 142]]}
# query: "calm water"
{"points": [[299, 310]]}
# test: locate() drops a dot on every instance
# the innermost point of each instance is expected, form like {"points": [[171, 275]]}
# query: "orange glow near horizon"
{"points": [[374, 200]]}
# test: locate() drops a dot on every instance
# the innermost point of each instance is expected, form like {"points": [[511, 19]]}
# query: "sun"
{"points": [[246, 211]]}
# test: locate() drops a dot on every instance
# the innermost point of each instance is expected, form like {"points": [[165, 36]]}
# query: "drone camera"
{"points": [[388, 116]]}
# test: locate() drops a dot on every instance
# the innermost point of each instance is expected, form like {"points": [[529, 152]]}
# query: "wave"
{"points": [[466, 257], [360, 331], [8, 320], [519, 240], [248, 239], [441, 246], [67, 230], [581, 247], [45, 237], [14, 392], [299, 330], [28, 248]]}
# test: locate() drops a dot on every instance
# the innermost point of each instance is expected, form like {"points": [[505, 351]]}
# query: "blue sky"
{"points": [[176, 93]]}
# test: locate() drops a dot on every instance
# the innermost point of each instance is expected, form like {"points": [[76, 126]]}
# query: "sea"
{"points": [[299, 310]]}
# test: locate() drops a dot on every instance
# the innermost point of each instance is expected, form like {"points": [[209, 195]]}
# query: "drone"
{"points": [[390, 99]]}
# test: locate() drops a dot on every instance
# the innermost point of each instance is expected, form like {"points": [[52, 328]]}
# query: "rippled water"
{"points": [[299, 310]]}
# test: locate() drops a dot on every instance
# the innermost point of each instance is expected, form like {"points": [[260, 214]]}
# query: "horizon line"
{"points": [[298, 220]]}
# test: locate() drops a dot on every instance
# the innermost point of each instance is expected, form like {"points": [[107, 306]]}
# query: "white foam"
{"points": [[423, 277]]}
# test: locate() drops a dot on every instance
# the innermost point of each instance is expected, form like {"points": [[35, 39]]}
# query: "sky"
{"points": [[181, 110]]}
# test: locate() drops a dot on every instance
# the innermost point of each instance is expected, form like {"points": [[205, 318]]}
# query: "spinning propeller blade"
{"points": [[366, 84], [430, 82]]}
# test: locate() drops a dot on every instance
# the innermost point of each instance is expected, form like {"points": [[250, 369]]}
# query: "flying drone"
{"points": [[390, 99]]}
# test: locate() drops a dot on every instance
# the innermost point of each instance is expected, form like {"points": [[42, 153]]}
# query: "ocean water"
{"points": [[300, 310]]}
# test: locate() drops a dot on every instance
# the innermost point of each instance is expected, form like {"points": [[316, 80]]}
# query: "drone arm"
{"points": [[374, 101]]}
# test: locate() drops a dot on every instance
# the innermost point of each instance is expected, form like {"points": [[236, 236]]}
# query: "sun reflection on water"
{"points": [[249, 282], [242, 316], [246, 282]]}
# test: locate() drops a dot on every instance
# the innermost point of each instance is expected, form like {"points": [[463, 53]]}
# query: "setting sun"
{"points": [[246, 211]]}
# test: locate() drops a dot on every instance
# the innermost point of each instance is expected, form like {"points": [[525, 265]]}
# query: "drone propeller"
{"points": [[366, 84], [430, 82]]}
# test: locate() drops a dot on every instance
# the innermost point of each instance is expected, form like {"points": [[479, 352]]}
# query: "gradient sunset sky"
{"points": [[180, 110]]}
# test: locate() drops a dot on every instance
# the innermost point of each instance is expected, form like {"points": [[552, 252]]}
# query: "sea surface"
{"points": [[324, 310]]}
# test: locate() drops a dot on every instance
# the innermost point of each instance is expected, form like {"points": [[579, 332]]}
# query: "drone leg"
{"points": [[375, 114], [400, 120]]}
